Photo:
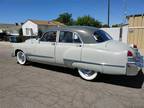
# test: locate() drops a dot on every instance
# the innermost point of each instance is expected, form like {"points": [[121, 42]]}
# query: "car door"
{"points": [[68, 47], [45, 49]]}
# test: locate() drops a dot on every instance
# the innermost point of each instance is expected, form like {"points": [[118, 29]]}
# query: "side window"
{"points": [[68, 37], [49, 36]]}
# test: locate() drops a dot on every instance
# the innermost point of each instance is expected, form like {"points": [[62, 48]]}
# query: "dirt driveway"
{"points": [[44, 86]]}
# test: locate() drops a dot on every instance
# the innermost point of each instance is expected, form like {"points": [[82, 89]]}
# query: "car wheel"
{"points": [[21, 58], [87, 74]]}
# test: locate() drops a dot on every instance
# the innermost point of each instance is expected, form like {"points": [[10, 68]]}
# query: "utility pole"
{"points": [[109, 13]]}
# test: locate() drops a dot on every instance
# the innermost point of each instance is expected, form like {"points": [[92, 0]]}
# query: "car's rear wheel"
{"points": [[21, 58], [87, 74]]}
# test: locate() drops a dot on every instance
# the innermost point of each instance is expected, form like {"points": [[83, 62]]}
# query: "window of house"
{"points": [[29, 31], [68, 37], [49, 36]]}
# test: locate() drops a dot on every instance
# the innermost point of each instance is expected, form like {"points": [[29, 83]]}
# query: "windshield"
{"points": [[101, 36]]}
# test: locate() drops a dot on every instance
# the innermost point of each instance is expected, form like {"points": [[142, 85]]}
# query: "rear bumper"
{"points": [[132, 69], [134, 64]]}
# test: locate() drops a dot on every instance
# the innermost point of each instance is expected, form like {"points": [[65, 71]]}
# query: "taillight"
{"points": [[134, 46], [129, 53]]}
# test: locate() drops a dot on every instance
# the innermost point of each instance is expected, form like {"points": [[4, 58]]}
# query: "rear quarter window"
{"points": [[101, 36]]}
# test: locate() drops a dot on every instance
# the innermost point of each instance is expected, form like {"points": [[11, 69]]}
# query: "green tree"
{"points": [[20, 32], [65, 18], [16, 24], [20, 38], [88, 21], [105, 26], [116, 25], [40, 33]]}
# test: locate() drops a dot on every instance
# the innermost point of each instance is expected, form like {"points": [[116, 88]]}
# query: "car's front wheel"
{"points": [[21, 58], [87, 74]]}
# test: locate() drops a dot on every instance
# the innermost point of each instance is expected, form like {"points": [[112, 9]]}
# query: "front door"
{"points": [[45, 49]]}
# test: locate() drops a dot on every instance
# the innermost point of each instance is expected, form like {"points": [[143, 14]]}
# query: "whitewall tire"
{"points": [[21, 58], [87, 74]]}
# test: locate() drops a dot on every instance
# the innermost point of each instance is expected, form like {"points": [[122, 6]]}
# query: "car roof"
{"points": [[85, 32], [79, 29]]}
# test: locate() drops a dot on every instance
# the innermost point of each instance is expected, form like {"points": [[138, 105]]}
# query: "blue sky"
{"points": [[20, 10]]}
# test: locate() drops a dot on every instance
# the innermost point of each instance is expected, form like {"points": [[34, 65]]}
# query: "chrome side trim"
{"points": [[39, 56], [114, 65], [94, 63]]}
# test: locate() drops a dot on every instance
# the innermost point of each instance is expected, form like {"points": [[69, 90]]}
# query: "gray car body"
{"points": [[109, 57]]}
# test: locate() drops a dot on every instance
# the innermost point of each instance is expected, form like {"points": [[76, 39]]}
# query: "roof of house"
{"points": [[42, 22], [6, 25], [9, 27]]}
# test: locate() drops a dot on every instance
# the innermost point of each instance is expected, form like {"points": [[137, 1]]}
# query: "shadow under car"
{"points": [[121, 80]]}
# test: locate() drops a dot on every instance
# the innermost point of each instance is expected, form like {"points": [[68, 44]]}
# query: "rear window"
{"points": [[101, 36]]}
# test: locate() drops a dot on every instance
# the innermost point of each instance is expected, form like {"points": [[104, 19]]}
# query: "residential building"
{"points": [[10, 29], [32, 27]]}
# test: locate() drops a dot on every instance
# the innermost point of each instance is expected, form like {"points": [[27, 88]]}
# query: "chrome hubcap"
{"points": [[87, 72], [21, 57]]}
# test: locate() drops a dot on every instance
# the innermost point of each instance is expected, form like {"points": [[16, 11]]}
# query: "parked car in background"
{"points": [[87, 49], [20, 39], [13, 39], [3, 37]]}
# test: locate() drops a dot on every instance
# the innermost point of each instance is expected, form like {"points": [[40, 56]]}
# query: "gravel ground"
{"points": [[45, 86]]}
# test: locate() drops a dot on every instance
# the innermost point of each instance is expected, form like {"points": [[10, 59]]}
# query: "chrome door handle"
{"points": [[79, 45], [52, 43]]}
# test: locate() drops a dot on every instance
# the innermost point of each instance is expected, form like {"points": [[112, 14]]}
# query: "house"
{"points": [[10, 29], [118, 33], [32, 27], [136, 30]]}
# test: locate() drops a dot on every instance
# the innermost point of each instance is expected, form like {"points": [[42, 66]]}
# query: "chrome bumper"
{"points": [[132, 69], [134, 65]]}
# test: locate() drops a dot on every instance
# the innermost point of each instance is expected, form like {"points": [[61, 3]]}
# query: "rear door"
{"points": [[68, 47]]}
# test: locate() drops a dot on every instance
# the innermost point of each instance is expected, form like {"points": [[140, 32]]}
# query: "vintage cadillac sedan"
{"points": [[87, 49]]}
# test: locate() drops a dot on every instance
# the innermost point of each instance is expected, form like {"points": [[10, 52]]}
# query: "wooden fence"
{"points": [[136, 36]]}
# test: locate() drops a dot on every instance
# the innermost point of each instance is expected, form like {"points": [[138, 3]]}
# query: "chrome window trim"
{"points": [[81, 42], [78, 36], [38, 56]]}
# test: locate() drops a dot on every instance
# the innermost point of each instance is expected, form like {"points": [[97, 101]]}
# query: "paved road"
{"points": [[44, 86]]}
